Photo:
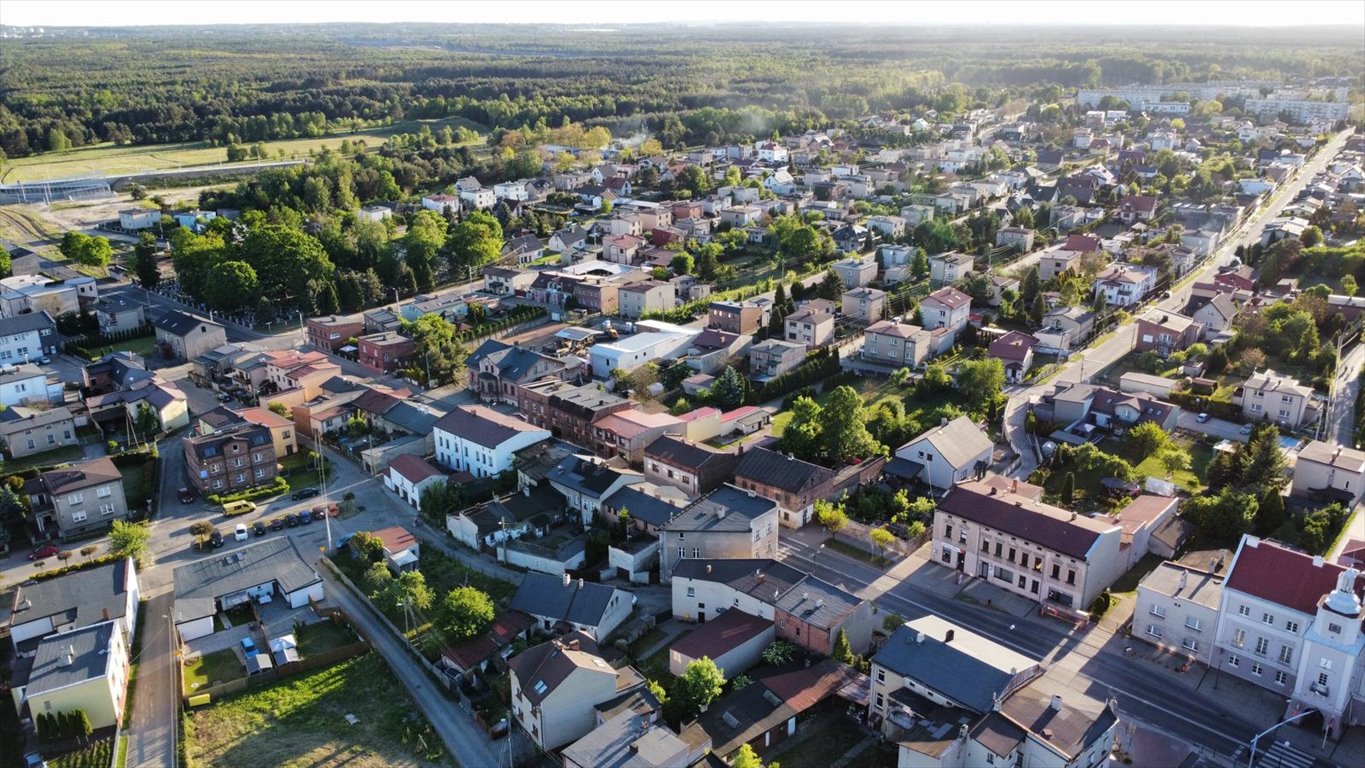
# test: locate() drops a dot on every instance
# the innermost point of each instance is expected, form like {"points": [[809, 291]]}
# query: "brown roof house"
{"points": [[555, 687], [693, 468], [77, 500], [185, 336], [1015, 350], [242, 456]]}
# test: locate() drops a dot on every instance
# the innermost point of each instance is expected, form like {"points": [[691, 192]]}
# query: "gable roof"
{"points": [[1284, 576], [80, 475], [951, 298], [680, 453], [412, 468], [541, 669], [652, 510], [29, 321], [718, 637], [1043, 524], [179, 323], [1013, 346], [82, 597], [483, 426], [277, 560], [577, 602], [771, 468], [768, 702], [952, 661], [959, 441], [71, 658]]}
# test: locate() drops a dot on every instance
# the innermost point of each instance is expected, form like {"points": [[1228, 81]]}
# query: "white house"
{"points": [[138, 218], [76, 600], [261, 571], [511, 190], [441, 203], [656, 341], [21, 384], [410, 476], [1124, 285], [950, 453], [585, 606], [27, 337], [946, 308], [481, 441]]}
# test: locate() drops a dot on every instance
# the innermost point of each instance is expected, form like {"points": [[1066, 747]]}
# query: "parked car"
{"points": [[238, 508], [248, 645], [325, 510], [216, 539], [241, 532], [291, 521], [185, 495], [277, 524], [258, 528], [305, 493], [45, 551], [1202, 418], [223, 397], [305, 517], [1246, 428], [33, 759]]}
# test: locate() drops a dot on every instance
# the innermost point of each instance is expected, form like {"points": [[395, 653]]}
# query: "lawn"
{"points": [[217, 667], [444, 573], [860, 553], [301, 721], [1191, 480], [111, 159], [323, 636], [97, 754], [64, 455], [873, 391], [132, 484], [299, 474], [142, 345], [1128, 582]]}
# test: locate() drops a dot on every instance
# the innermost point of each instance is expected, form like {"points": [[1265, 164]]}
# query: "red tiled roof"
{"points": [[1285, 576], [716, 638], [950, 297], [396, 539], [700, 413], [1353, 554], [414, 469], [807, 687], [1013, 346]]}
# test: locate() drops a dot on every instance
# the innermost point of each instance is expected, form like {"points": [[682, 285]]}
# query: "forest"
{"points": [[703, 84]]}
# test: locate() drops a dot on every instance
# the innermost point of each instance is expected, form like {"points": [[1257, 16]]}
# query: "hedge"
{"points": [[79, 566], [820, 367], [521, 314], [277, 486]]}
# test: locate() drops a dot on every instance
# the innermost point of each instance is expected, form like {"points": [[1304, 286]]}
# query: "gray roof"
{"points": [[71, 658], [414, 418], [584, 475], [82, 597], [818, 603], [579, 602], [179, 323], [277, 560], [30, 321], [967, 668], [654, 511], [484, 426], [725, 509], [780, 471], [22, 372], [619, 743], [18, 417]]}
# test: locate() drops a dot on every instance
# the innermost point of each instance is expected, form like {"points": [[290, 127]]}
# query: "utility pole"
{"points": [[326, 506]]}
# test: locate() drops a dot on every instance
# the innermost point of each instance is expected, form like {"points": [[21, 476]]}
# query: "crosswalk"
{"points": [[1280, 754]]}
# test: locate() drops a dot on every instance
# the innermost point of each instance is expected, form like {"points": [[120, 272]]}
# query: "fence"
{"points": [[316, 661], [859, 535]]}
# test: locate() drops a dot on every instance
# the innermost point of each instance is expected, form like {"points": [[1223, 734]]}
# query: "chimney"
{"points": [[572, 644], [566, 579], [948, 637], [70, 655], [1014, 485], [105, 613], [1317, 561], [1056, 703]]}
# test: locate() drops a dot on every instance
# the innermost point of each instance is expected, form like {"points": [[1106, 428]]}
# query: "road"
{"points": [[1093, 360], [151, 733], [1345, 389], [1094, 662]]}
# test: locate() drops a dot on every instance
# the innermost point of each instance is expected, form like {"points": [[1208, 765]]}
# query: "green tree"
{"points": [[144, 262], [1174, 459], [86, 249], [1068, 493], [465, 613], [128, 539], [746, 757], [1263, 463], [1311, 237], [288, 263], [1348, 285], [981, 382], [728, 391], [881, 538], [232, 286], [474, 242], [919, 265], [682, 264], [378, 578], [701, 683], [845, 433], [441, 499], [1149, 438], [408, 590], [841, 651], [802, 436], [830, 515], [369, 546], [1270, 514], [1223, 517], [436, 350], [778, 652]]}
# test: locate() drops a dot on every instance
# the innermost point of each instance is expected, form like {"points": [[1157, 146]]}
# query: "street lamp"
{"points": [[1251, 757]]}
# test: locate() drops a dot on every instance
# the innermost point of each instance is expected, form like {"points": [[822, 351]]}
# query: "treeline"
{"points": [[244, 85]]}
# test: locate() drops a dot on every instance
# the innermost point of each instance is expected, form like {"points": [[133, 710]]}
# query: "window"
{"points": [[682, 552], [691, 591], [948, 531], [881, 675], [985, 545], [1193, 623], [1239, 637], [1262, 646], [1056, 571], [1234, 660], [1070, 576], [1243, 610], [947, 556], [1190, 644], [1292, 626], [696, 552], [106, 509], [1334, 628], [75, 498], [1268, 618], [1158, 611], [1257, 669], [1154, 631], [1281, 677], [998, 548], [879, 702], [103, 492], [1286, 655]]}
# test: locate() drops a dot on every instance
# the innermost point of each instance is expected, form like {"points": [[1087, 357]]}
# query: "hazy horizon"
{"points": [[983, 13]]}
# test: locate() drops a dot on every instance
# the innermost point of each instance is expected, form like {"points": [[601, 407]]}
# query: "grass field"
{"points": [[217, 667], [63, 455], [103, 159], [97, 754], [301, 721], [323, 636]]}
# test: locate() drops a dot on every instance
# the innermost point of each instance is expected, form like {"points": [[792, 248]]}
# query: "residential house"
{"points": [[586, 481], [855, 273], [1165, 332], [28, 384], [85, 669], [567, 410], [1055, 261], [232, 459], [738, 317], [691, 467], [1044, 553], [896, 343], [621, 249], [31, 294], [333, 332], [1214, 313], [1330, 472], [77, 500], [1177, 608], [624, 741], [1015, 350], [946, 308], [410, 476], [563, 604], [385, 352], [887, 226], [1123, 285], [28, 432], [949, 268], [497, 370], [804, 609], [184, 336], [27, 337], [1065, 328], [74, 600], [555, 687], [951, 698], [774, 708], [1017, 238], [281, 429], [1267, 395], [442, 204], [507, 281], [653, 340], [303, 371], [1077, 403], [402, 552], [774, 357], [481, 441], [1234, 279], [478, 653], [947, 454], [864, 305], [260, 571], [795, 485], [637, 299], [1000, 284], [812, 325], [726, 523], [625, 433], [1137, 208], [734, 641]]}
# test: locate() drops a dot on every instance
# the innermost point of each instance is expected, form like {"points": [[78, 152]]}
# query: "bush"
{"points": [[72, 568], [1101, 606], [277, 486]]}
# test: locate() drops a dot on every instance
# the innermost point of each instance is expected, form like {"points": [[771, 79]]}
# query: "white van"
{"points": [[241, 533]]}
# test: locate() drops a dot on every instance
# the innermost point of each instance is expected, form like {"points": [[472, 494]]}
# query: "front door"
{"points": [[961, 560]]}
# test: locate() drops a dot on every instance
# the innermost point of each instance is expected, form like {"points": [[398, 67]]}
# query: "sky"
{"points": [[1256, 13]]}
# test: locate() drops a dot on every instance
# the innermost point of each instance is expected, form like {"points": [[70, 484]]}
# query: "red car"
{"points": [[46, 550]]}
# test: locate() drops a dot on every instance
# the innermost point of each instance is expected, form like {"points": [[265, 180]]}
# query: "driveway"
{"points": [[152, 731], [1220, 428]]}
